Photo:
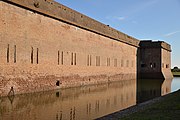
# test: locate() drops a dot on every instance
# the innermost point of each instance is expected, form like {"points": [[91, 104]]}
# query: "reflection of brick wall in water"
{"points": [[148, 89], [81, 103]]}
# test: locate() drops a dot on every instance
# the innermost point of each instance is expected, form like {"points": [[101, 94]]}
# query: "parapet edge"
{"points": [[155, 44], [60, 12], [166, 46]]}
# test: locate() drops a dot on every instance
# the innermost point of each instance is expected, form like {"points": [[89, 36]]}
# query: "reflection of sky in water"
{"points": [[175, 84]]}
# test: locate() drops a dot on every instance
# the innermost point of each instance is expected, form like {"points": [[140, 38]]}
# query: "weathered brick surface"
{"points": [[33, 48], [154, 60], [43, 44], [166, 63], [57, 11]]}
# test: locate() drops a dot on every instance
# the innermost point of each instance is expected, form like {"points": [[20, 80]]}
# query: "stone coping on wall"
{"points": [[155, 44], [60, 12]]}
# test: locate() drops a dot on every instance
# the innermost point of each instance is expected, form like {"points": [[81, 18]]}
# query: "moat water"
{"points": [[83, 103]]}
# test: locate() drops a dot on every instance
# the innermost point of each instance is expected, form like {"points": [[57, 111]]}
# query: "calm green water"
{"points": [[83, 103]]}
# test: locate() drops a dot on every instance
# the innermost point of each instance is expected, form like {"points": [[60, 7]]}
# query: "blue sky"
{"points": [[142, 19]]}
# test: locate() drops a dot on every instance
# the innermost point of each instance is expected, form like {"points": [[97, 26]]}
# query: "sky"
{"points": [[142, 19]]}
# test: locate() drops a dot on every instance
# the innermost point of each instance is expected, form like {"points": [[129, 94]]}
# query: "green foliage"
{"points": [[175, 69], [177, 74]]}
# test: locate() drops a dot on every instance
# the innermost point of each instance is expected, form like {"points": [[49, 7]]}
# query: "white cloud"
{"points": [[171, 33], [116, 18], [132, 10], [121, 18]]}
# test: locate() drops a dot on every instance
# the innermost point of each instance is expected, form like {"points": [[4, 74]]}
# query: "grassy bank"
{"points": [[176, 74], [166, 109]]}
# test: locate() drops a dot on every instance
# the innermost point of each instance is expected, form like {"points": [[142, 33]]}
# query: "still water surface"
{"points": [[175, 84], [83, 103]]}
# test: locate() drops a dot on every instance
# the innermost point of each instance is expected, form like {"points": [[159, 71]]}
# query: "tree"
{"points": [[176, 68]]}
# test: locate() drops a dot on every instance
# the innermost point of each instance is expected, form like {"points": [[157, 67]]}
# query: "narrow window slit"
{"points": [[151, 65], [8, 54], [97, 60], [122, 62], [75, 59], [154, 65], [58, 57], [115, 62], [88, 60], [127, 63], [62, 58], [37, 56], [107, 61], [71, 58], [14, 53], [132, 63], [32, 50]]}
